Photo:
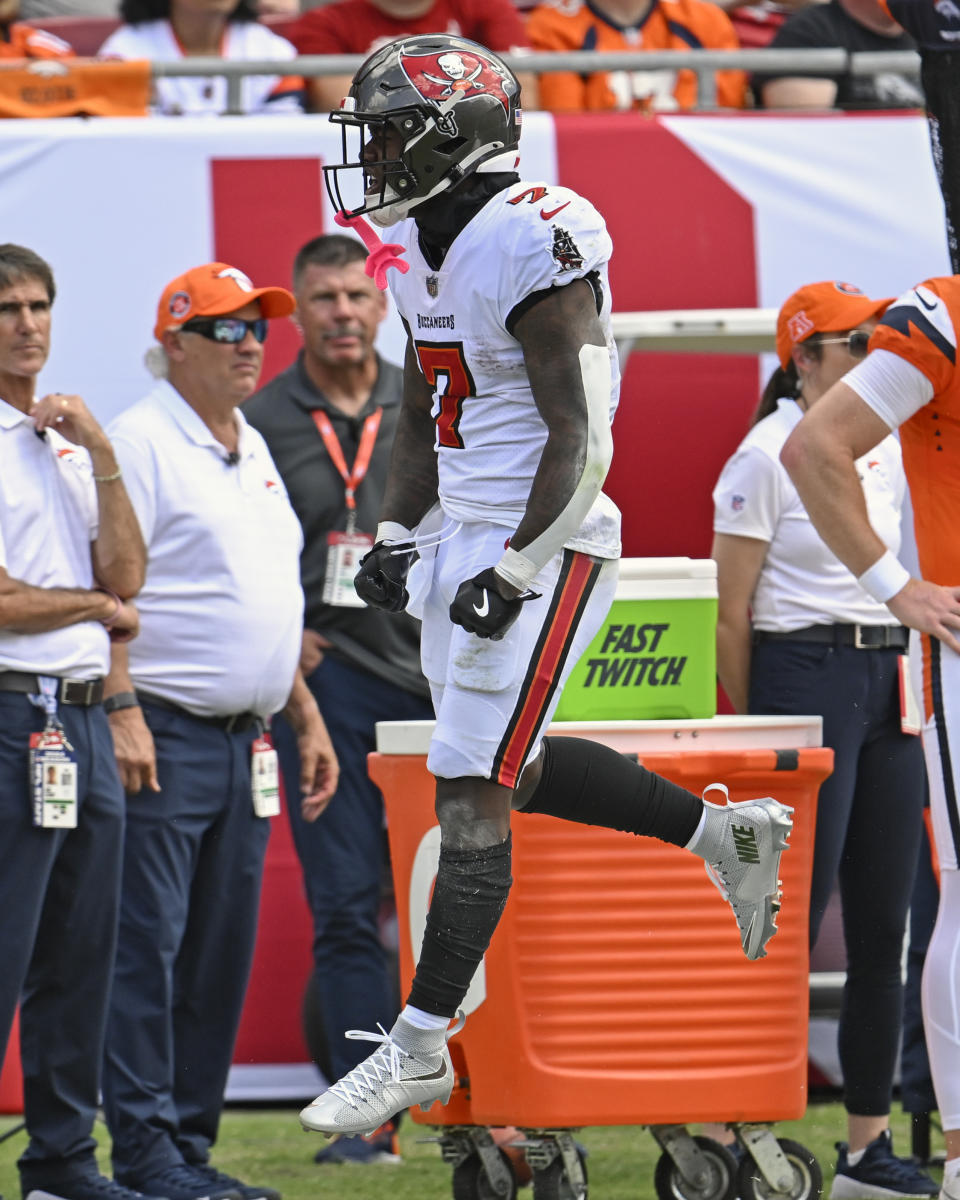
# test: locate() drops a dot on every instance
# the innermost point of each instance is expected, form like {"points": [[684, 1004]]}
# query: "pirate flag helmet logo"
{"points": [[429, 111]]}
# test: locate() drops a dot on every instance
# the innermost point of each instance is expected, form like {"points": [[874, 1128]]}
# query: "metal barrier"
{"points": [[702, 330], [704, 64]]}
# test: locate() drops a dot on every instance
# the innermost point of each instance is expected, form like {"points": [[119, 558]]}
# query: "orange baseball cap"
{"points": [[214, 290], [822, 308]]}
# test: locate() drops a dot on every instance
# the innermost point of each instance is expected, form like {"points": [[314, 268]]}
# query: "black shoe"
{"points": [[247, 1191], [183, 1182], [879, 1173], [87, 1187], [378, 1148]]}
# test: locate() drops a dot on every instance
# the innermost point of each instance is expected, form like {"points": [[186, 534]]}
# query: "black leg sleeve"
{"points": [[589, 783], [468, 900]]}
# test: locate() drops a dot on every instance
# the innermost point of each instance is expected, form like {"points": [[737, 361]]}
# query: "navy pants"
{"points": [[59, 892], [869, 819], [342, 855], [193, 863]]}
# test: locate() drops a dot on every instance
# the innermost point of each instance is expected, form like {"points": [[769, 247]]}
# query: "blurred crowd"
{"points": [[278, 30]]}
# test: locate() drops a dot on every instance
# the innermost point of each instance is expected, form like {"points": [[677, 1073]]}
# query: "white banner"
{"points": [[119, 207]]}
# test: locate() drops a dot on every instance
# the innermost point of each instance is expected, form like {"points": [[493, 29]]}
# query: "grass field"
{"points": [[267, 1146]]}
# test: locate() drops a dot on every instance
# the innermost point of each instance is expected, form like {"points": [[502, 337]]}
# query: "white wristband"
{"points": [[393, 531], [885, 578], [516, 569]]}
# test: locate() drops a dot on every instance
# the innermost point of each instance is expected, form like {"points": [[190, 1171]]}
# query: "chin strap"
{"points": [[382, 256]]}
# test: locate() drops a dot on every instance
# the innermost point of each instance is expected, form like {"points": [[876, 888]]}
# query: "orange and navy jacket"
{"points": [[669, 25], [922, 327], [23, 41]]}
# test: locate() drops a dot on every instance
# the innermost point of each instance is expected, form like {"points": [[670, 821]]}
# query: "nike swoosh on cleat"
{"points": [[482, 609], [549, 214], [437, 1074], [928, 307]]}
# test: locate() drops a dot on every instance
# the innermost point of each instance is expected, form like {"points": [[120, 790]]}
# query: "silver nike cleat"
{"points": [[391, 1079], [741, 845]]}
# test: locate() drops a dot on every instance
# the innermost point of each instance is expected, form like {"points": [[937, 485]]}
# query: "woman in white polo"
{"points": [[797, 634]]}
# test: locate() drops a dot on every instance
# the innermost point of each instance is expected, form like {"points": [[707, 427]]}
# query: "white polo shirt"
{"points": [[221, 611], [802, 582], [48, 518]]}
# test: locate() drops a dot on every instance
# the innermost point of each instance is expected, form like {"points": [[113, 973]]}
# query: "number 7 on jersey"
{"points": [[446, 371]]}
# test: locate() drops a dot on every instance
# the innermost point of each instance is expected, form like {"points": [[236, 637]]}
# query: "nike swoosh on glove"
{"points": [[480, 608], [382, 578]]}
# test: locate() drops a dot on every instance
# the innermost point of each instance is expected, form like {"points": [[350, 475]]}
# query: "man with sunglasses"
{"points": [[221, 619]]}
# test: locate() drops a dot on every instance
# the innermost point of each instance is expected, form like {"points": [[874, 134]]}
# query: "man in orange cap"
{"points": [[222, 621]]}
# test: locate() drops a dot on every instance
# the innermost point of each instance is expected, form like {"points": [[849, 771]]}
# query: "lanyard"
{"points": [[47, 699], [351, 479]]}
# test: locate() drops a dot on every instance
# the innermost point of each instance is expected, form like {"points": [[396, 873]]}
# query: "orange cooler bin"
{"points": [[615, 991]]}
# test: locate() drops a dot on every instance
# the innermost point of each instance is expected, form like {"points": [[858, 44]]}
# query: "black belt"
{"points": [[82, 692], [237, 723], [861, 637]]}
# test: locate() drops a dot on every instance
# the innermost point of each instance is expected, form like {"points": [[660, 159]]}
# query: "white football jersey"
{"points": [[191, 96], [489, 434]]}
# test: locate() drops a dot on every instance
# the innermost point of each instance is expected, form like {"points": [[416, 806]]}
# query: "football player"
{"points": [[502, 447], [910, 381]]}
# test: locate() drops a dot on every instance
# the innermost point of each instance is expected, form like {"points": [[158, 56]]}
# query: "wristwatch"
{"points": [[120, 700]]}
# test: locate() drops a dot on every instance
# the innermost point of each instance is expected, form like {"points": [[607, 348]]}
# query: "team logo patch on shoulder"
{"points": [[565, 251]]}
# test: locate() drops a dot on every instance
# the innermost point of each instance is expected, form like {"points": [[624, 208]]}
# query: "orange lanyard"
{"points": [[351, 479]]}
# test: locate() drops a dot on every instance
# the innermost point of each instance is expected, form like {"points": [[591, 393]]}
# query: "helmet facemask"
{"points": [[408, 147]]}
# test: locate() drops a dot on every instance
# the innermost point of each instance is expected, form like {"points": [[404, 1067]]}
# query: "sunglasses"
{"points": [[230, 330], [856, 343]]}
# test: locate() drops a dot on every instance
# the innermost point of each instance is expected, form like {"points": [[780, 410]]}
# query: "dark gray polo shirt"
{"points": [[385, 644]]}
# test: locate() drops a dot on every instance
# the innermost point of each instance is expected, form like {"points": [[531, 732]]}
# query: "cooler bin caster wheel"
{"points": [[471, 1181], [556, 1182], [717, 1175], [806, 1184]]}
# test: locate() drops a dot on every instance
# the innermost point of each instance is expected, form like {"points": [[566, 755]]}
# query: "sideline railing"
{"points": [[703, 63], [701, 330]]}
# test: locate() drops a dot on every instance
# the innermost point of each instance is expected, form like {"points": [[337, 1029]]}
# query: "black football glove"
{"points": [[480, 608], [381, 580]]}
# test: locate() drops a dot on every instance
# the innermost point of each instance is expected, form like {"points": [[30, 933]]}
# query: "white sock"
{"points": [[692, 844], [951, 1170], [423, 1020], [854, 1158]]}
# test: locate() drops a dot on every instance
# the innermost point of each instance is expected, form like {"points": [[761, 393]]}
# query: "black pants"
{"points": [[868, 829]]}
